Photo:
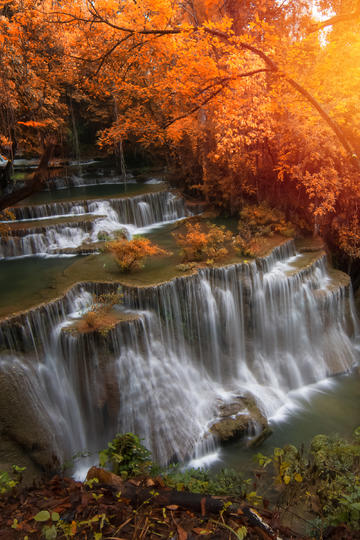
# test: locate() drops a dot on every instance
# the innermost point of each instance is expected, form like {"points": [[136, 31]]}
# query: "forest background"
{"points": [[242, 100]]}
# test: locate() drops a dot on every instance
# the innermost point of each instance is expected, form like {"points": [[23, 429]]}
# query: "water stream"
{"points": [[263, 329], [274, 329], [132, 215]]}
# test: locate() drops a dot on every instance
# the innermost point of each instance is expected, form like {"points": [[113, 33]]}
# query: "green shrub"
{"points": [[326, 478], [126, 456], [9, 480]]}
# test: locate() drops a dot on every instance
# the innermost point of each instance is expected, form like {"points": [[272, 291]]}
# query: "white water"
{"points": [[133, 215], [266, 329], [81, 181]]}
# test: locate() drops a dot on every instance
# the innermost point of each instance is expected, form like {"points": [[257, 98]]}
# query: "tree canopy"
{"points": [[248, 99]]}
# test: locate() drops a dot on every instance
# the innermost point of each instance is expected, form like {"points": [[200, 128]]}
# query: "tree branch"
{"points": [[245, 46], [197, 107], [224, 83], [275, 68], [346, 17]]}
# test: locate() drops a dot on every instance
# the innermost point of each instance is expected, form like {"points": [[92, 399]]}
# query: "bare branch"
{"points": [[346, 17], [224, 83]]}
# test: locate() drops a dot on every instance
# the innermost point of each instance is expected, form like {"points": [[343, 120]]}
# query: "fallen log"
{"points": [[196, 502]]}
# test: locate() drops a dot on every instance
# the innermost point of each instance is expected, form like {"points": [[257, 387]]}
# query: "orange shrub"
{"points": [[249, 248], [199, 245], [262, 220], [101, 316], [5, 215], [130, 254], [96, 320]]}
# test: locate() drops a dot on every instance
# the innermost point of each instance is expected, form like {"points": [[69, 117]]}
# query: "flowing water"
{"points": [[132, 215], [264, 328], [275, 329]]}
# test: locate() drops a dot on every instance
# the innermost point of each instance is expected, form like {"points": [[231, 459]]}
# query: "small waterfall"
{"points": [[82, 181], [259, 329], [109, 216], [164, 204]]}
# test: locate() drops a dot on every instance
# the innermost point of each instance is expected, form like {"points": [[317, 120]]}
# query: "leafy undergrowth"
{"points": [[141, 501], [64, 508]]}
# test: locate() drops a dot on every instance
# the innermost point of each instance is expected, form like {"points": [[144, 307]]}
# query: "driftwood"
{"points": [[35, 184], [203, 504]]}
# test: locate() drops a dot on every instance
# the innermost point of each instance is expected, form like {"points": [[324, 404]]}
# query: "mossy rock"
{"points": [[237, 418]]}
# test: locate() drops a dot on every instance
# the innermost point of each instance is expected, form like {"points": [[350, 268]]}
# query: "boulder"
{"points": [[238, 418]]}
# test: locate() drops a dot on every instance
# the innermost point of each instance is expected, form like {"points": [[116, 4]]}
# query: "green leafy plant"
{"points": [[49, 530], [10, 480], [326, 478], [126, 456], [226, 481]]}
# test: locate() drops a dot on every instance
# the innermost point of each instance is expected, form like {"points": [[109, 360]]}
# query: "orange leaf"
{"points": [[203, 506], [73, 528], [30, 123], [183, 535]]}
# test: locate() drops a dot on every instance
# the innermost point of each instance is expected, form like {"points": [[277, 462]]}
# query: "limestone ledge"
{"points": [[62, 303]]}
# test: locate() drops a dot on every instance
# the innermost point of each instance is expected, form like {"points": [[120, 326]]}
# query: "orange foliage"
{"points": [[258, 222], [200, 245], [211, 83], [100, 317], [130, 254], [5, 216], [262, 220], [347, 235]]}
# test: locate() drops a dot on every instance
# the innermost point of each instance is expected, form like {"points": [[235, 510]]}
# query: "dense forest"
{"points": [[243, 100]]}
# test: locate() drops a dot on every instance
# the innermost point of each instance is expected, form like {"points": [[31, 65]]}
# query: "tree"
{"points": [[130, 254], [244, 96]]}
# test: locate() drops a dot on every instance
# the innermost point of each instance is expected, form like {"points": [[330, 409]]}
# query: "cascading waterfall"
{"points": [[261, 329], [127, 207], [81, 181], [129, 214]]}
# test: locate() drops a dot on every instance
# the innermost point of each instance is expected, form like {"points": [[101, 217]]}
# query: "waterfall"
{"points": [[162, 202], [261, 328], [131, 214]]}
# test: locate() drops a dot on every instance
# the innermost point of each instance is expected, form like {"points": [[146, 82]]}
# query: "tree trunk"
{"points": [[38, 180], [5, 178]]}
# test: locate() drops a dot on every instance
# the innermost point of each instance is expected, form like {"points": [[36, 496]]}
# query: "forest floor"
{"points": [[64, 508]]}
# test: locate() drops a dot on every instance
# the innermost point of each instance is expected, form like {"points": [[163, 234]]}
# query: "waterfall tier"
{"points": [[255, 329], [112, 215], [130, 209]]}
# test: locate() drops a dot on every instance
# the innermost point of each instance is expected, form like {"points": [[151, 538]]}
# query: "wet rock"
{"points": [[238, 418], [27, 436], [84, 249], [259, 439]]}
